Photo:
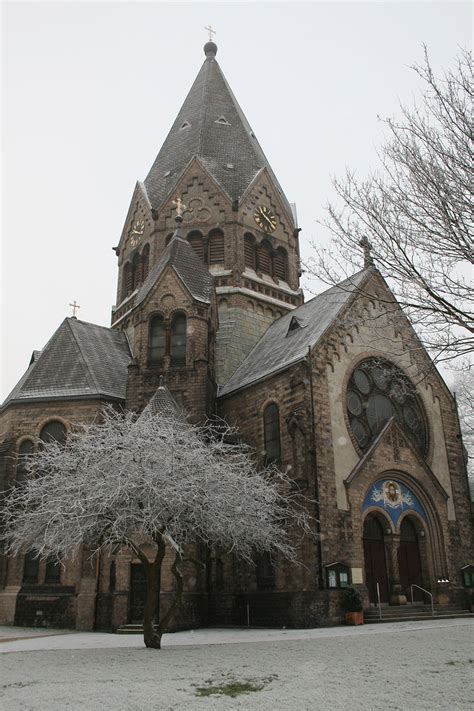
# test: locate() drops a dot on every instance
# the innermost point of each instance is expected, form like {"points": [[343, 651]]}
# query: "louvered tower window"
{"points": [[145, 258], [281, 264], [265, 258], [135, 272], [271, 425], [178, 340], [249, 251], [195, 240], [157, 340], [216, 247], [126, 281]]}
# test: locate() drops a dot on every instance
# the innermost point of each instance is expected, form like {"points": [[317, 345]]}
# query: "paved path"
{"points": [[393, 667]]}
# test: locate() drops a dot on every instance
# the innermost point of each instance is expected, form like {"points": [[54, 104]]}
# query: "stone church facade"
{"points": [[337, 390]]}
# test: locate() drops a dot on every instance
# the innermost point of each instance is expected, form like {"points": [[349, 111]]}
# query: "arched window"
{"points": [[271, 425], [135, 272], [281, 264], [53, 431], [265, 571], [126, 281], [112, 577], [195, 240], [265, 258], [249, 251], [53, 571], [25, 450], [157, 341], [216, 247], [145, 258], [178, 340], [30, 568]]}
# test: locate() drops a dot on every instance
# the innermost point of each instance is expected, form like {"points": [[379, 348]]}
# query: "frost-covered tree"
{"points": [[126, 480], [415, 211]]}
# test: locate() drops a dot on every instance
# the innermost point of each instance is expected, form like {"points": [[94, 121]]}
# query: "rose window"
{"points": [[377, 391]]}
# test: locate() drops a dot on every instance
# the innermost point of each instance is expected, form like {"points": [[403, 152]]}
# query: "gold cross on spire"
{"points": [[74, 306], [180, 206], [211, 31]]}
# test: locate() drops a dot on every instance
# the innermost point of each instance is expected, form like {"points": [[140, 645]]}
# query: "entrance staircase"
{"points": [[130, 629], [414, 613]]}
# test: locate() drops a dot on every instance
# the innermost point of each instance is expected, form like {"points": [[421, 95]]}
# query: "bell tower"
{"points": [[236, 218]]}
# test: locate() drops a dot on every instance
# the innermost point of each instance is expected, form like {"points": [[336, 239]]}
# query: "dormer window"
{"points": [[184, 125], [222, 121], [295, 325]]}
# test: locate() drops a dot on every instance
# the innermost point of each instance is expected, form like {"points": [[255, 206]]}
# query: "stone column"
{"points": [[396, 595]]}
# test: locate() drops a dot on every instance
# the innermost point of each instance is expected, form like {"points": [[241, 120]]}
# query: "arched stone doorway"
{"points": [[375, 559], [409, 560]]}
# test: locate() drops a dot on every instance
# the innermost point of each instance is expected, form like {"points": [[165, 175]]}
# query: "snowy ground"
{"points": [[398, 666]]}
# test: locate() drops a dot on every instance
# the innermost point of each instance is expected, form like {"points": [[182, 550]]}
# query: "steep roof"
{"points": [[80, 360], [182, 258], [163, 403], [212, 126], [287, 340]]}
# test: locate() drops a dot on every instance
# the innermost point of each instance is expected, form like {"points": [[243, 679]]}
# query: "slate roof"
{"points": [[182, 258], [281, 346], [163, 403], [216, 144], [80, 360]]}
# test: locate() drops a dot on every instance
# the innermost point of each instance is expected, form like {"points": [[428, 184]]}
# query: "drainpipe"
{"points": [[316, 479]]}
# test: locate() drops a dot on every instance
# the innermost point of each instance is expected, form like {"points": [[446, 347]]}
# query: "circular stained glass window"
{"points": [[377, 391]]}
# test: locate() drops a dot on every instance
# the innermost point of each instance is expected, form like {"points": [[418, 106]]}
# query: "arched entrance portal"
{"points": [[409, 560], [375, 561]]}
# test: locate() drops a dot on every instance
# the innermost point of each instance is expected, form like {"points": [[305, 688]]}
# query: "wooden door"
{"points": [[375, 562], [137, 592], [409, 563]]}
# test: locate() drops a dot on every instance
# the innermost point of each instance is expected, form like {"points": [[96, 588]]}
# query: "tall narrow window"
{"points": [[157, 340], [53, 571], [271, 423], [216, 247], [178, 340], [53, 431], [144, 262], [281, 264], [195, 240], [126, 281], [265, 258], [265, 571], [30, 568], [135, 272], [249, 251], [24, 451]]}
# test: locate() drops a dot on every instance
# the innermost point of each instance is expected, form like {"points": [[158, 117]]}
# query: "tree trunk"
{"points": [[151, 633]]}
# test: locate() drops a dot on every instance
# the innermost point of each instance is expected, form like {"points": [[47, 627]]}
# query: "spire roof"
{"points": [[211, 126]]}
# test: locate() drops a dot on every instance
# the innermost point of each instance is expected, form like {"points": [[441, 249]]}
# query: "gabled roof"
{"points": [[163, 403], [281, 346], [212, 126], [181, 257], [80, 360]]}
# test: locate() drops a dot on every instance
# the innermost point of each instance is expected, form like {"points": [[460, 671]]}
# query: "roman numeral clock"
{"points": [[265, 219]]}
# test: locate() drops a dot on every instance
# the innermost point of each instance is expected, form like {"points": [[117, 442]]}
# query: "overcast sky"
{"points": [[90, 91]]}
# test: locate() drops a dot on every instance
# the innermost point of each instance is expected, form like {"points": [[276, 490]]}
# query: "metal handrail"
{"points": [[380, 604], [425, 591]]}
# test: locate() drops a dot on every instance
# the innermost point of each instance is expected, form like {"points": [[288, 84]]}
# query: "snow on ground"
{"points": [[399, 666]]}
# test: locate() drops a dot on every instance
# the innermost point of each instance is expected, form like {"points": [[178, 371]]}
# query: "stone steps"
{"points": [[129, 629], [415, 613]]}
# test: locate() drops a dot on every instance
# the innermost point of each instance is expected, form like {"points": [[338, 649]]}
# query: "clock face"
{"points": [[136, 232], [265, 219]]}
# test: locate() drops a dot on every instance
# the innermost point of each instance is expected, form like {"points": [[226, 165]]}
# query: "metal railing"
{"points": [[425, 591], [379, 602]]}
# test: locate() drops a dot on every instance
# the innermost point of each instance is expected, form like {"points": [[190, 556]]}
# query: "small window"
{"points": [[271, 423], [53, 571], [54, 431], [249, 251], [157, 340], [178, 340], [30, 568], [195, 240], [281, 264], [112, 577], [265, 258], [468, 576], [25, 450]]}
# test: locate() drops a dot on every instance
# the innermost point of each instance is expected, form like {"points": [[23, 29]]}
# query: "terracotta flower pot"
{"points": [[354, 618]]}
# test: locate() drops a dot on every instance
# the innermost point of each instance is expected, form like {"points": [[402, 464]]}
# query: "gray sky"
{"points": [[90, 91]]}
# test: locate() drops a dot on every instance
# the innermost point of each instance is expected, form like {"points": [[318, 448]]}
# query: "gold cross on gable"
{"points": [[180, 206], [74, 307], [211, 31]]}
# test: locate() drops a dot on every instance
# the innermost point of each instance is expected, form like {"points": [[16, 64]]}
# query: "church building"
{"points": [[337, 390]]}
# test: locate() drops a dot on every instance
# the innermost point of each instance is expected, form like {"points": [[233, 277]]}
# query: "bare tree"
{"points": [[464, 390], [126, 480], [413, 216]]}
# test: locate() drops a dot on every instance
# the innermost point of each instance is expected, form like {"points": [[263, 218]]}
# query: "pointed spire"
{"points": [[163, 403]]}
